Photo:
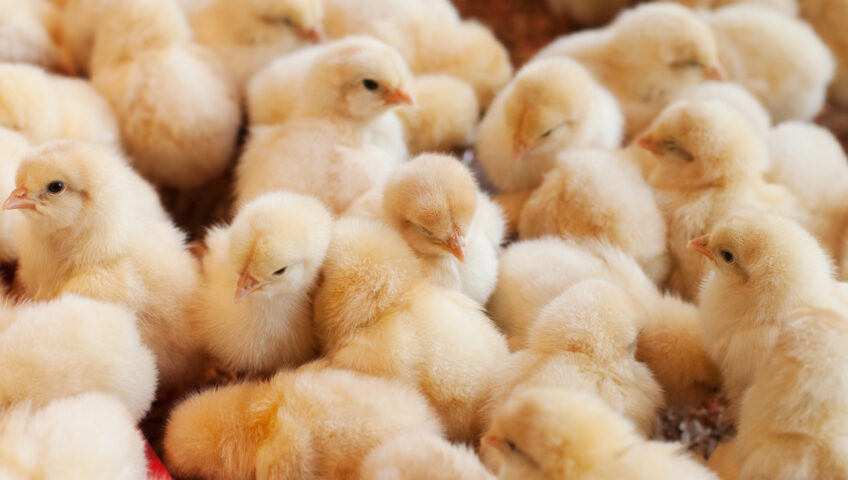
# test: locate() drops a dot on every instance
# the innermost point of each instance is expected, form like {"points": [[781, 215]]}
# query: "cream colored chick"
{"points": [[45, 107], [179, 114], [710, 161], [825, 16], [532, 273], [590, 14], [788, 7], [298, 425], [72, 345], [13, 146], [444, 117], [764, 267], [553, 434], [597, 194], [778, 58], [734, 95], [254, 309], [88, 436], [375, 313], [422, 456], [336, 145], [29, 34], [93, 227], [436, 206], [248, 35], [794, 418], [645, 57], [585, 339], [550, 105]]}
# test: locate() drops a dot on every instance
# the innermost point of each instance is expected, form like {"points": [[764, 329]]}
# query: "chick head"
{"points": [[703, 143], [547, 105], [431, 200], [593, 317], [279, 17], [278, 242], [552, 433], [360, 77]]}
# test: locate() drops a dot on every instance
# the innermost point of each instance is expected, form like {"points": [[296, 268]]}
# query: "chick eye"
{"points": [[686, 64], [727, 256], [370, 84], [284, 20], [280, 271], [547, 134], [424, 231], [511, 446], [55, 187]]}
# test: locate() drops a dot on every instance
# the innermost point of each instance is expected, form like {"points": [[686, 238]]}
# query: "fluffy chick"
{"points": [[551, 434], [778, 58], [589, 14], [825, 16], [421, 456], [376, 313], [45, 107], [254, 309], [93, 227], [179, 115], [87, 436], [29, 34], [585, 339], [436, 206], [645, 57], [13, 146], [734, 95], [298, 425], [550, 105], [72, 345], [335, 147], [764, 267], [710, 161]]}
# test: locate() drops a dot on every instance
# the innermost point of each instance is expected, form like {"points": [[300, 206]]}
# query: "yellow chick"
{"points": [[551, 434], [45, 107], [13, 146], [247, 35], [334, 147], [588, 14], [29, 34], [93, 227], [253, 308], [422, 456], [788, 7], [179, 115], [585, 339], [645, 57], [298, 425], [710, 161], [444, 117], [375, 313], [87, 436], [764, 266], [734, 95], [778, 58], [550, 105], [825, 16], [73, 345], [436, 206]]}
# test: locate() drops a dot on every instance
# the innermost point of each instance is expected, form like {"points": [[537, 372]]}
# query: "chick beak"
{"points": [[700, 245], [519, 149], [246, 285], [314, 34], [456, 246], [19, 199], [399, 95], [647, 142], [490, 440], [715, 73]]}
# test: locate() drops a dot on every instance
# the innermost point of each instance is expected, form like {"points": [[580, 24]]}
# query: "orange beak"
{"points": [[314, 34], [492, 441], [519, 149], [19, 199], [700, 245], [246, 285], [399, 95], [456, 246], [715, 73], [647, 142]]}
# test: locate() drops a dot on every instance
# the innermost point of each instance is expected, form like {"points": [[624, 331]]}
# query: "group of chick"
{"points": [[668, 241]]}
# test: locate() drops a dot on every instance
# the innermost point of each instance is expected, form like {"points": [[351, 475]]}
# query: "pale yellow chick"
{"points": [[29, 34], [178, 112], [253, 304], [645, 57], [376, 313], [303, 425], [826, 17], [436, 206], [553, 434], [422, 456], [13, 146], [550, 105], [93, 227]]}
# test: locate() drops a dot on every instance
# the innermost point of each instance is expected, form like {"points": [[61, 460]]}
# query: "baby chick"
{"points": [[645, 57], [179, 115], [332, 147], [376, 313], [298, 425], [13, 146], [93, 227], [585, 339], [422, 456], [29, 34], [764, 266], [551, 434], [73, 345], [88, 436], [734, 95], [597, 194], [825, 16], [550, 105], [435, 204], [778, 58], [589, 14], [254, 309]]}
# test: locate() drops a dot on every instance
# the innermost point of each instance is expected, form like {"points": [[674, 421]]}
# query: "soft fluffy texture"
{"points": [[734, 95], [29, 33], [13, 146], [422, 456], [825, 16]]}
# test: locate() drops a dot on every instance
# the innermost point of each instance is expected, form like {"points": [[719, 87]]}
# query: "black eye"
{"points": [[686, 64], [548, 133], [280, 271], [370, 84], [55, 187], [511, 446], [727, 256], [288, 21]]}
